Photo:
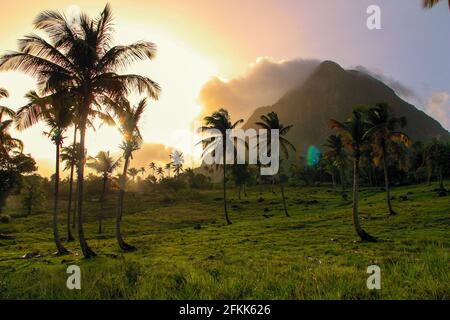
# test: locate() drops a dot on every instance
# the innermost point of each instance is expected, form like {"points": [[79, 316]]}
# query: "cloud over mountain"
{"points": [[262, 84], [438, 106]]}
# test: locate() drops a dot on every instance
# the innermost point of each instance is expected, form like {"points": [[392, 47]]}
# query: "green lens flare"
{"points": [[313, 156]]}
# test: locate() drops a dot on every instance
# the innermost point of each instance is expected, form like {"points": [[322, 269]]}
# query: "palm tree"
{"points": [[353, 132], [79, 57], [270, 122], [160, 172], [168, 167], [427, 4], [129, 118], [7, 142], [152, 166], [336, 153], [217, 126], [56, 111], [177, 162], [436, 157], [70, 156], [142, 171], [382, 133], [133, 172], [105, 165]]}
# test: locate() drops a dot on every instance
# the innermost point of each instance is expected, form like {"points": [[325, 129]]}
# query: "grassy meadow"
{"points": [[186, 251]]}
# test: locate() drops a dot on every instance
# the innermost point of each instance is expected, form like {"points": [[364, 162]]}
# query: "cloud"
{"points": [[438, 106], [403, 91], [151, 152], [262, 84]]}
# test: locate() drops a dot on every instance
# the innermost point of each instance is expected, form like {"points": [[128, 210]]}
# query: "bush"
{"points": [[4, 218]]}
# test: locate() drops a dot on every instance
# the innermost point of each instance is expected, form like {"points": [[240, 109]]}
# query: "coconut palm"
{"points": [[427, 4], [7, 142], [153, 167], [70, 156], [133, 172], [382, 133], [353, 134], [217, 125], [270, 122], [177, 162], [78, 56], [168, 167], [160, 172], [56, 111], [129, 118], [336, 153], [142, 171], [104, 164]]}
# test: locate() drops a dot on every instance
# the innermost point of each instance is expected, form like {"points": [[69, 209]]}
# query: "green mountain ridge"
{"points": [[332, 93]]}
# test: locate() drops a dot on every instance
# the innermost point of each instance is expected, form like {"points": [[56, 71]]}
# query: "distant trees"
{"points": [[217, 125], [437, 159], [337, 156], [104, 164], [353, 132]]}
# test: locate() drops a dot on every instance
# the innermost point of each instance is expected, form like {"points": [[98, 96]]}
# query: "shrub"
{"points": [[4, 218]]}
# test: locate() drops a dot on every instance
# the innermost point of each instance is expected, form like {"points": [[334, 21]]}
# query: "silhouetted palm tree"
{"points": [[353, 134], [153, 167], [129, 118], [168, 167], [7, 142], [79, 57], [104, 164], [336, 153], [270, 122], [56, 111], [133, 172], [177, 162], [217, 125], [382, 133]]}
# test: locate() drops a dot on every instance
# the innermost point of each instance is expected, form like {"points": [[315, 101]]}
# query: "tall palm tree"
{"points": [[336, 153], [427, 4], [104, 164], [168, 167], [219, 122], [270, 122], [133, 172], [78, 56], [353, 134], [70, 156], [7, 142], [382, 133], [177, 162], [160, 172], [153, 167], [56, 111], [129, 118]]}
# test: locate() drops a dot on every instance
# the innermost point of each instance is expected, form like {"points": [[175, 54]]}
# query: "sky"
{"points": [[256, 47]]}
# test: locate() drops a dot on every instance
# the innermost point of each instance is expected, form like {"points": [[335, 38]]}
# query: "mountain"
{"points": [[332, 93]]}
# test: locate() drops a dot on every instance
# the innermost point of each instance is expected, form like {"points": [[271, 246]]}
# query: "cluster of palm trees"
{"points": [[175, 165], [79, 77]]}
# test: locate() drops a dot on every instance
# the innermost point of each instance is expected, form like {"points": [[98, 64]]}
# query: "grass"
{"points": [[185, 250]]}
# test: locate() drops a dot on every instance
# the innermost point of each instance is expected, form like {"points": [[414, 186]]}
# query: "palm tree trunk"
{"points": [[363, 235], [284, 199], [386, 182], [225, 181], [69, 209], [239, 192], [87, 251], [102, 204], [342, 179], [59, 245], [122, 244], [333, 179]]}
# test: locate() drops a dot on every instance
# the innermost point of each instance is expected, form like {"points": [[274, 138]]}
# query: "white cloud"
{"points": [[438, 106]]}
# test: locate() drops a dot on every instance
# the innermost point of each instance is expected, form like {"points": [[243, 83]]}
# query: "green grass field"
{"points": [[185, 250]]}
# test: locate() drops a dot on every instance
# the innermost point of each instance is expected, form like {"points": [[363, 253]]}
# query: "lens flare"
{"points": [[313, 156]]}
